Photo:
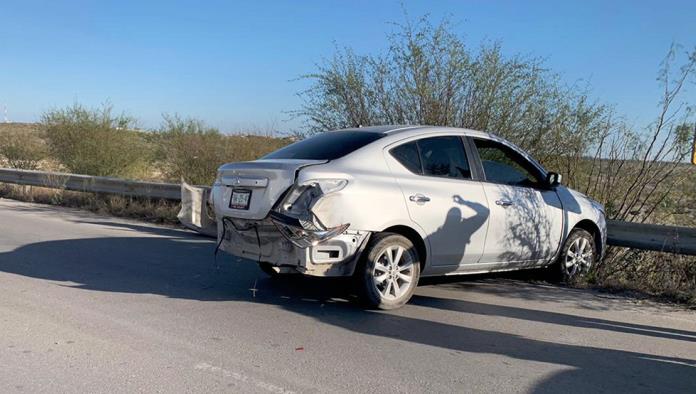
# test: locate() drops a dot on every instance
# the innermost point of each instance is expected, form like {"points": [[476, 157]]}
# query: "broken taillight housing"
{"points": [[300, 235], [294, 217], [301, 197]]}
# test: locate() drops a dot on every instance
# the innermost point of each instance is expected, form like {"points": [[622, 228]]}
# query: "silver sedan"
{"points": [[391, 204]]}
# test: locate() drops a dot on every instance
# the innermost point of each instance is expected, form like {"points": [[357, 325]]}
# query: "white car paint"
{"points": [[463, 227]]}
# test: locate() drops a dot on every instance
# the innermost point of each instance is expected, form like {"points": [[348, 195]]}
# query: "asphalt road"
{"points": [[93, 304]]}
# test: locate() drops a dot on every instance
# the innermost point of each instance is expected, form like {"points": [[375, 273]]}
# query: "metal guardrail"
{"points": [[626, 234], [655, 237], [92, 184]]}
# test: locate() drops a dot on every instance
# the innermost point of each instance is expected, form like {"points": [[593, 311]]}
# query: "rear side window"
{"points": [[407, 155], [436, 156], [326, 146]]}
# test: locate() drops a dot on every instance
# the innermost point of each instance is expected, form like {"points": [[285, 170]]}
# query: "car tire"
{"points": [[388, 272], [578, 256]]}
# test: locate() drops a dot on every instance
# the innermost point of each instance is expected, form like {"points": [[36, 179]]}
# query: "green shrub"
{"points": [[190, 150], [96, 142], [251, 147], [21, 146]]}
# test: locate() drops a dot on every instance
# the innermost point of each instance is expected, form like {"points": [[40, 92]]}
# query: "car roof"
{"points": [[413, 129]]}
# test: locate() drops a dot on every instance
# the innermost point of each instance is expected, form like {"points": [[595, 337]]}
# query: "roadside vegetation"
{"points": [[188, 149], [430, 75], [98, 141], [21, 146], [154, 211]]}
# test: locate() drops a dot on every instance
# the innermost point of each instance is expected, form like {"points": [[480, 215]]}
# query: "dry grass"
{"points": [[99, 143], [91, 143], [667, 276], [22, 146], [154, 211], [18, 127], [188, 149]]}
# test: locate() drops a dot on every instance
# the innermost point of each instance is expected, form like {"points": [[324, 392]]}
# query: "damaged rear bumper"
{"points": [[288, 234], [304, 235], [320, 252]]}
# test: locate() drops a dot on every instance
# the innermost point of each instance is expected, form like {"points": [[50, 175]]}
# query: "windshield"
{"points": [[326, 146]]}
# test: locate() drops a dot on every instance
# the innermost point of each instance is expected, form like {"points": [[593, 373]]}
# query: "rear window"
{"points": [[326, 146]]}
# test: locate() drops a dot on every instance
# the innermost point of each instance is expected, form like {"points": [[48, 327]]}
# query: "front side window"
{"points": [[502, 164], [435, 156]]}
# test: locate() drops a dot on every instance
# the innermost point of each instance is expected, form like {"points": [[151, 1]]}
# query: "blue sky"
{"points": [[233, 64]]}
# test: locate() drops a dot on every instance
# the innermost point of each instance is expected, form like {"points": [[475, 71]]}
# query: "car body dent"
{"points": [[263, 243]]}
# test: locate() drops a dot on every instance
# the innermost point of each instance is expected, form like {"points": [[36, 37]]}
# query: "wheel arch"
{"points": [[415, 238], [592, 228]]}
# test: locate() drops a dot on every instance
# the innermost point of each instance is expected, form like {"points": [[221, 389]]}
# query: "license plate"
{"points": [[240, 199]]}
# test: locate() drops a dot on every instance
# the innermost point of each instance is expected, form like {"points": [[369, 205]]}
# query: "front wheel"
{"points": [[578, 255], [389, 271]]}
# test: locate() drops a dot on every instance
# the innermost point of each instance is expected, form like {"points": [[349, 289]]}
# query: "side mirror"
{"points": [[553, 179]]}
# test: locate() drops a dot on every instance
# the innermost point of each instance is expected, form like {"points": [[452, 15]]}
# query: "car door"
{"points": [[434, 174], [526, 218]]}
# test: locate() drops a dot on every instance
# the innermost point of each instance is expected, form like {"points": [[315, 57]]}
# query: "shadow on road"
{"points": [[551, 318], [180, 265]]}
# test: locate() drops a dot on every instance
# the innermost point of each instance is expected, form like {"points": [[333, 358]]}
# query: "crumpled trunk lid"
{"points": [[265, 180]]}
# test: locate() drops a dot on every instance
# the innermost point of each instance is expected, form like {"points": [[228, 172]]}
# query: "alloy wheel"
{"points": [[393, 272], [579, 257]]}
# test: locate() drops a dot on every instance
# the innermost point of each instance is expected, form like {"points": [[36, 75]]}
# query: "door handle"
{"points": [[503, 203], [419, 198]]}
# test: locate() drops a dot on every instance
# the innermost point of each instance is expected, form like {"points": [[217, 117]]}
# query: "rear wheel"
{"points": [[578, 255], [389, 271]]}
